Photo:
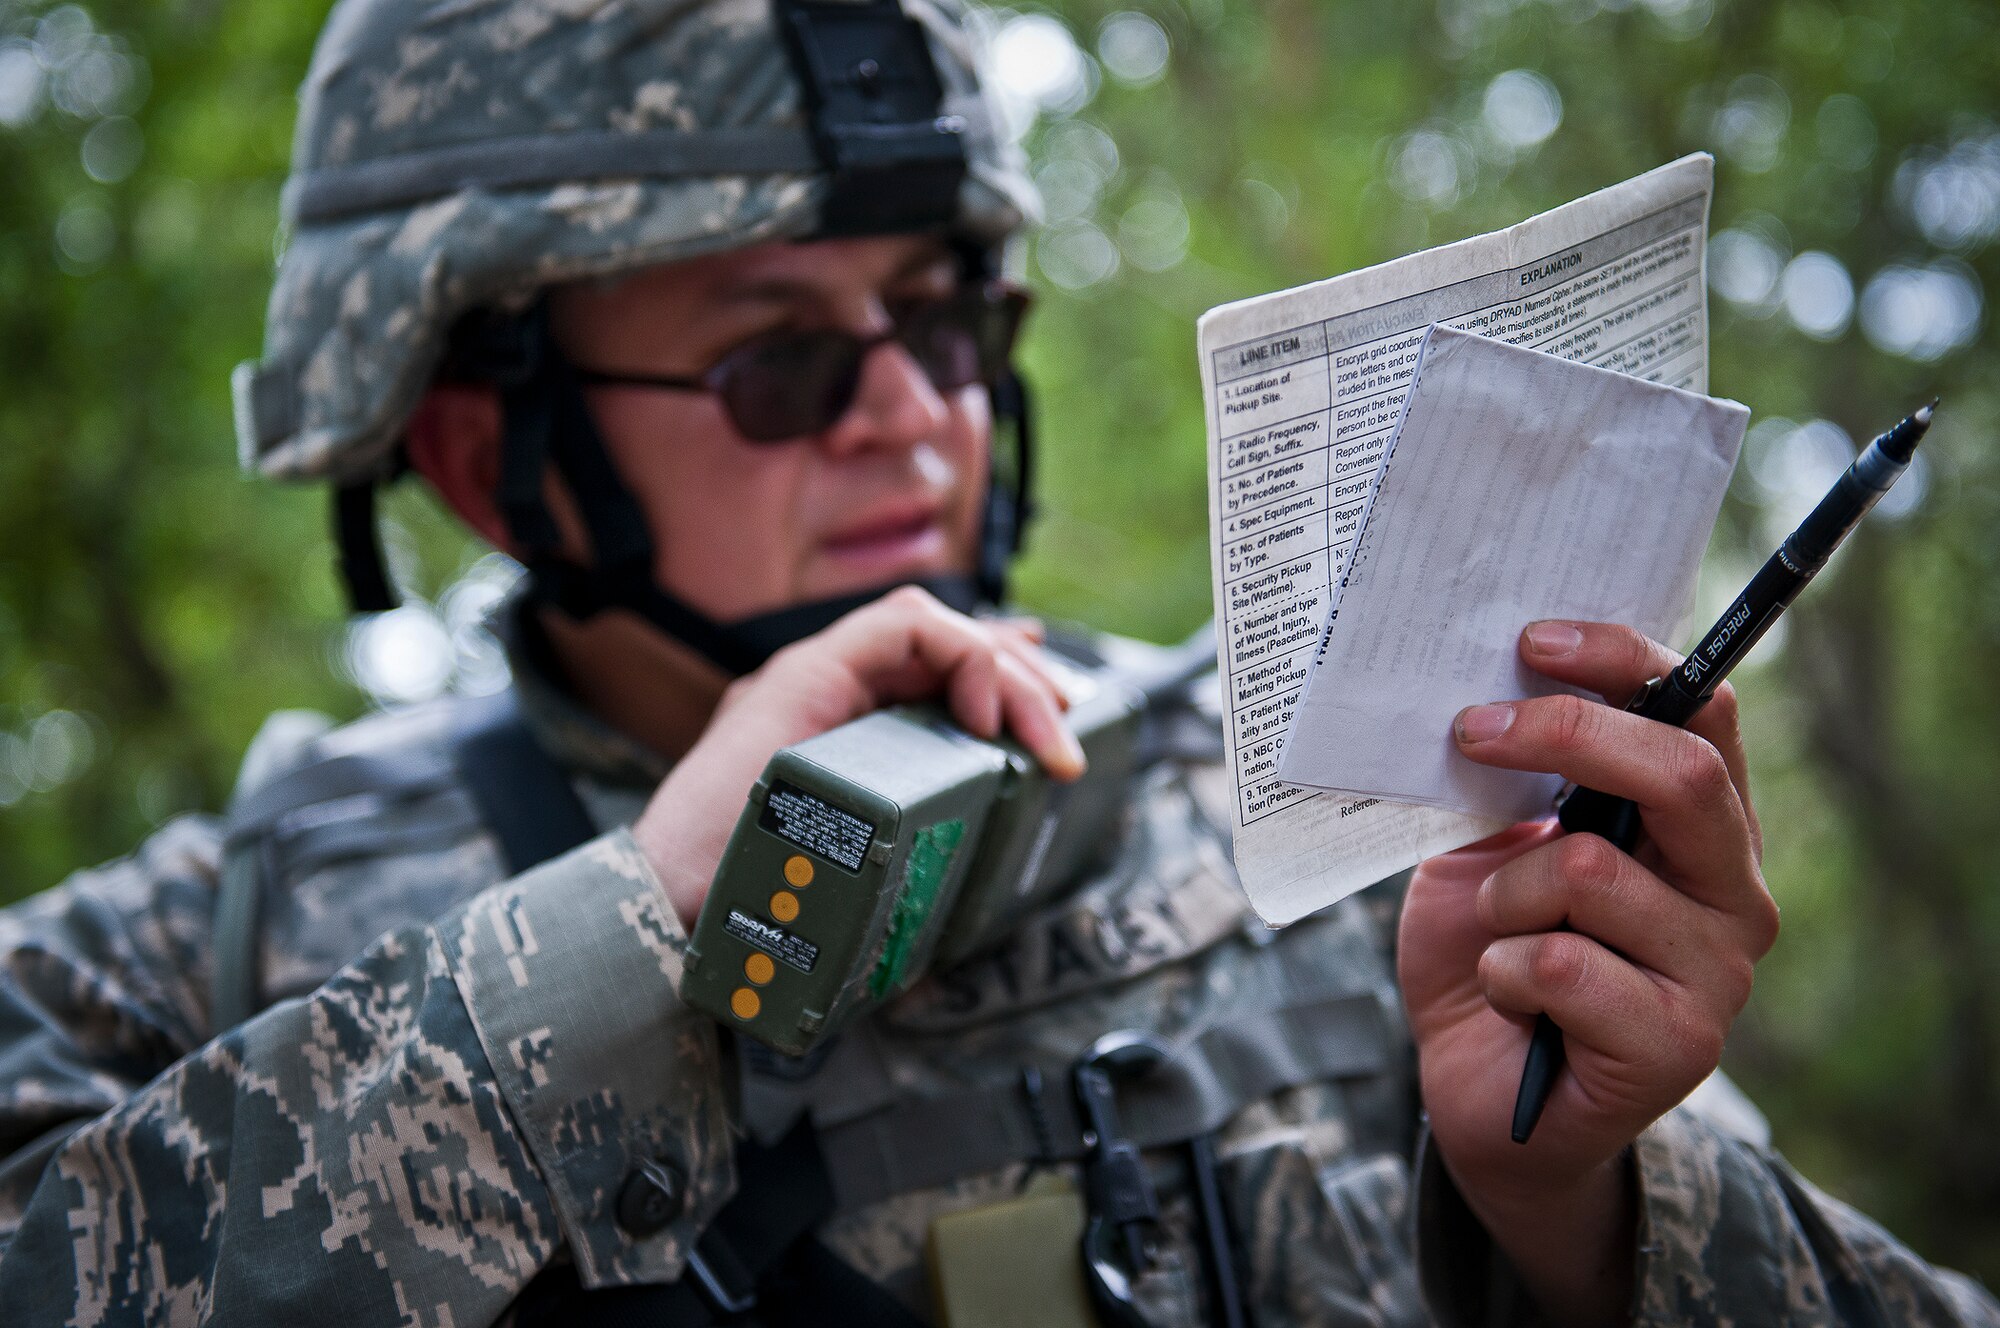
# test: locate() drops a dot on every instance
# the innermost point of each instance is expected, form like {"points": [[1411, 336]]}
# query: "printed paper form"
{"points": [[1517, 486], [1302, 390]]}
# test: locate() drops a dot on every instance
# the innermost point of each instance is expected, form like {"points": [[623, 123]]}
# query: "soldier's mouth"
{"points": [[888, 542]]}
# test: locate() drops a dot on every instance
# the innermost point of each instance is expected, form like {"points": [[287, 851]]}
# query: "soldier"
{"points": [[695, 310]]}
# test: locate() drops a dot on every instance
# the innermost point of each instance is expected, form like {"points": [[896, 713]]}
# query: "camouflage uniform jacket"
{"points": [[460, 1073]]}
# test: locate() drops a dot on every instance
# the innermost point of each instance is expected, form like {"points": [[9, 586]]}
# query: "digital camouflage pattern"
{"points": [[410, 1136], [460, 1074], [363, 301]]}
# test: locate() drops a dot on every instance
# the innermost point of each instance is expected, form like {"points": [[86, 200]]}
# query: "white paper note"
{"points": [[1517, 486], [1303, 388]]}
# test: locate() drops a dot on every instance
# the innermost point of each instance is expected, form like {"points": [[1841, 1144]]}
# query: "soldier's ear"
{"points": [[453, 441]]}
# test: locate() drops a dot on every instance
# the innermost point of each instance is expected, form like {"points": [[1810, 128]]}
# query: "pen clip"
{"points": [[1645, 694]]}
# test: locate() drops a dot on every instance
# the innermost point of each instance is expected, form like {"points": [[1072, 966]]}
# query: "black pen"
{"points": [[1675, 698]]}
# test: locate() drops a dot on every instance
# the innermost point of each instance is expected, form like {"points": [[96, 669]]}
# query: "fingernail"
{"points": [[1482, 723], [1075, 751], [1553, 638]]}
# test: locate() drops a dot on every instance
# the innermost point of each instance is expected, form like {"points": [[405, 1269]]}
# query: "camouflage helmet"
{"points": [[463, 154]]}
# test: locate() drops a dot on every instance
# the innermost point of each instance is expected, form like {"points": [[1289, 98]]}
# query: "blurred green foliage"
{"points": [[153, 607]]}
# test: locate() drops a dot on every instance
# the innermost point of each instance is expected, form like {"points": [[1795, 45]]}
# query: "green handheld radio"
{"points": [[898, 841]]}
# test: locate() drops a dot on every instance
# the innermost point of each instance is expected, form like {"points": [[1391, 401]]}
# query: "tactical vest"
{"points": [[759, 1262]]}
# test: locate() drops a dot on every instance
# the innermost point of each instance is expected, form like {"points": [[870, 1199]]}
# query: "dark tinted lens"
{"points": [[801, 383], [965, 339], [943, 345], [789, 386]]}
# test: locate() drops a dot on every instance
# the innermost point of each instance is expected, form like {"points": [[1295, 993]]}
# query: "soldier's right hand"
{"points": [[905, 646]]}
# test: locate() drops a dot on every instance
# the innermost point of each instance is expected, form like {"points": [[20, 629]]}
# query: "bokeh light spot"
{"points": [[1818, 295], [1133, 48], [16, 767], [60, 747], [1078, 161], [1921, 313], [1153, 233], [112, 149], [1430, 168], [402, 656], [1682, 19], [84, 237], [1521, 109], [1744, 268], [21, 84], [1953, 196], [1791, 467], [1076, 255], [1038, 68], [1750, 126]]}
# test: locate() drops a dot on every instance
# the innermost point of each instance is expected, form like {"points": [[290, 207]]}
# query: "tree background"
{"points": [[154, 606]]}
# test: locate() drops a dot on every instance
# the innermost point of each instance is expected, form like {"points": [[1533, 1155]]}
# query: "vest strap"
{"points": [[524, 798], [238, 910], [255, 817], [924, 1143]]}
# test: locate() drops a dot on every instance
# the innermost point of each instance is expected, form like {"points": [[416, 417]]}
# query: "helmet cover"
{"points": [[467, 153]]}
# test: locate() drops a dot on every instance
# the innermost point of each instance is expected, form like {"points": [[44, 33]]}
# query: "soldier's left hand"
{"points": [[1660, 944]]}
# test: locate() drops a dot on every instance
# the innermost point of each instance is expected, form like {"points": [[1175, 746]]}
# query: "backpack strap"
{"points": [[258, 815], [759, 1256], [238, 907], [523, 796]]}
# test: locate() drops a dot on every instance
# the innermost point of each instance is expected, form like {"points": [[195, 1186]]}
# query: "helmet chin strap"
{"points": [[545, 420], [742, 646]]}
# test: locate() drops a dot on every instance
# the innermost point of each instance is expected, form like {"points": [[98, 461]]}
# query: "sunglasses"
{"points": [[794, 384]]}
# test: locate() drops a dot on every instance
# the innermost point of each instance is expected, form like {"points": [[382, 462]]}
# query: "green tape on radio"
{"points": [[869, 854]]}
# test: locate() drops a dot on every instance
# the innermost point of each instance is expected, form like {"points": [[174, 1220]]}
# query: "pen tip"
{"points": [[1901, 441]]}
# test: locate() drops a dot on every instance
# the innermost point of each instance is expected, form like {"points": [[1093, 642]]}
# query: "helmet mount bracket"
{"points": [[873, 94]]}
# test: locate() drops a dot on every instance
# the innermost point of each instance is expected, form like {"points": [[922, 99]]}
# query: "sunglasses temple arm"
{"points": [[600, 378]]}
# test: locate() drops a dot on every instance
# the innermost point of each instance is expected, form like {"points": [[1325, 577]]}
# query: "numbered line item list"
{"points": [[1304, 417]]}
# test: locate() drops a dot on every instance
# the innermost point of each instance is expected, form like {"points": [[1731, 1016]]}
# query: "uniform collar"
{"points": [[564, 726]]}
